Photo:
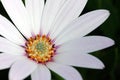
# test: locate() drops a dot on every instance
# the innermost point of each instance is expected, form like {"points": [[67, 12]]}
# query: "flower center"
{"points": [[40, 48]]}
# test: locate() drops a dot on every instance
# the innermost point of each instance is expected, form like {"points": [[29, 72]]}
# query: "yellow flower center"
{"points": [[40, 48]]}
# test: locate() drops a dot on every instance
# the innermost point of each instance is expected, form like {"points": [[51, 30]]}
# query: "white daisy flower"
{"points": [[54, 38]]}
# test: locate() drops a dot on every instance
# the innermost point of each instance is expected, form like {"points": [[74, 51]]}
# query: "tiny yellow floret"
{"points": [[40, 48]]}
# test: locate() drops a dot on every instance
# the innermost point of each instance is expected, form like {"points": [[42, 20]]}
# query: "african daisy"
{"points": [[49, 35]]}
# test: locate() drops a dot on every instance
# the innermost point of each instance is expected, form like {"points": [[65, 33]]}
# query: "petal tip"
{"points": [[107, 12], [104, 12], [111, 42], [101, 66]]}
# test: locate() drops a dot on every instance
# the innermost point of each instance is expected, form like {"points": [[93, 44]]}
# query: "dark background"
{"points": [[109, 56]]}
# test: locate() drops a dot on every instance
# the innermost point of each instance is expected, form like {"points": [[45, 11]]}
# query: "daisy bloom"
{"points": [[49, 35]]}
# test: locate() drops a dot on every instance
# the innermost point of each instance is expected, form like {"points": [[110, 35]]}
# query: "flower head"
{"points": [[49, 35]]}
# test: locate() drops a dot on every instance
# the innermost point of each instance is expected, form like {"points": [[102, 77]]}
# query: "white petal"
{"points": [[11, 48], [68, 12], [50, 11], [41, 73], [8, 30], [19, 15], [83, 25], [21, 69], [79, 60], [35, 8], [6, 60], [60, 11], [86, 44], [67, 72]]}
